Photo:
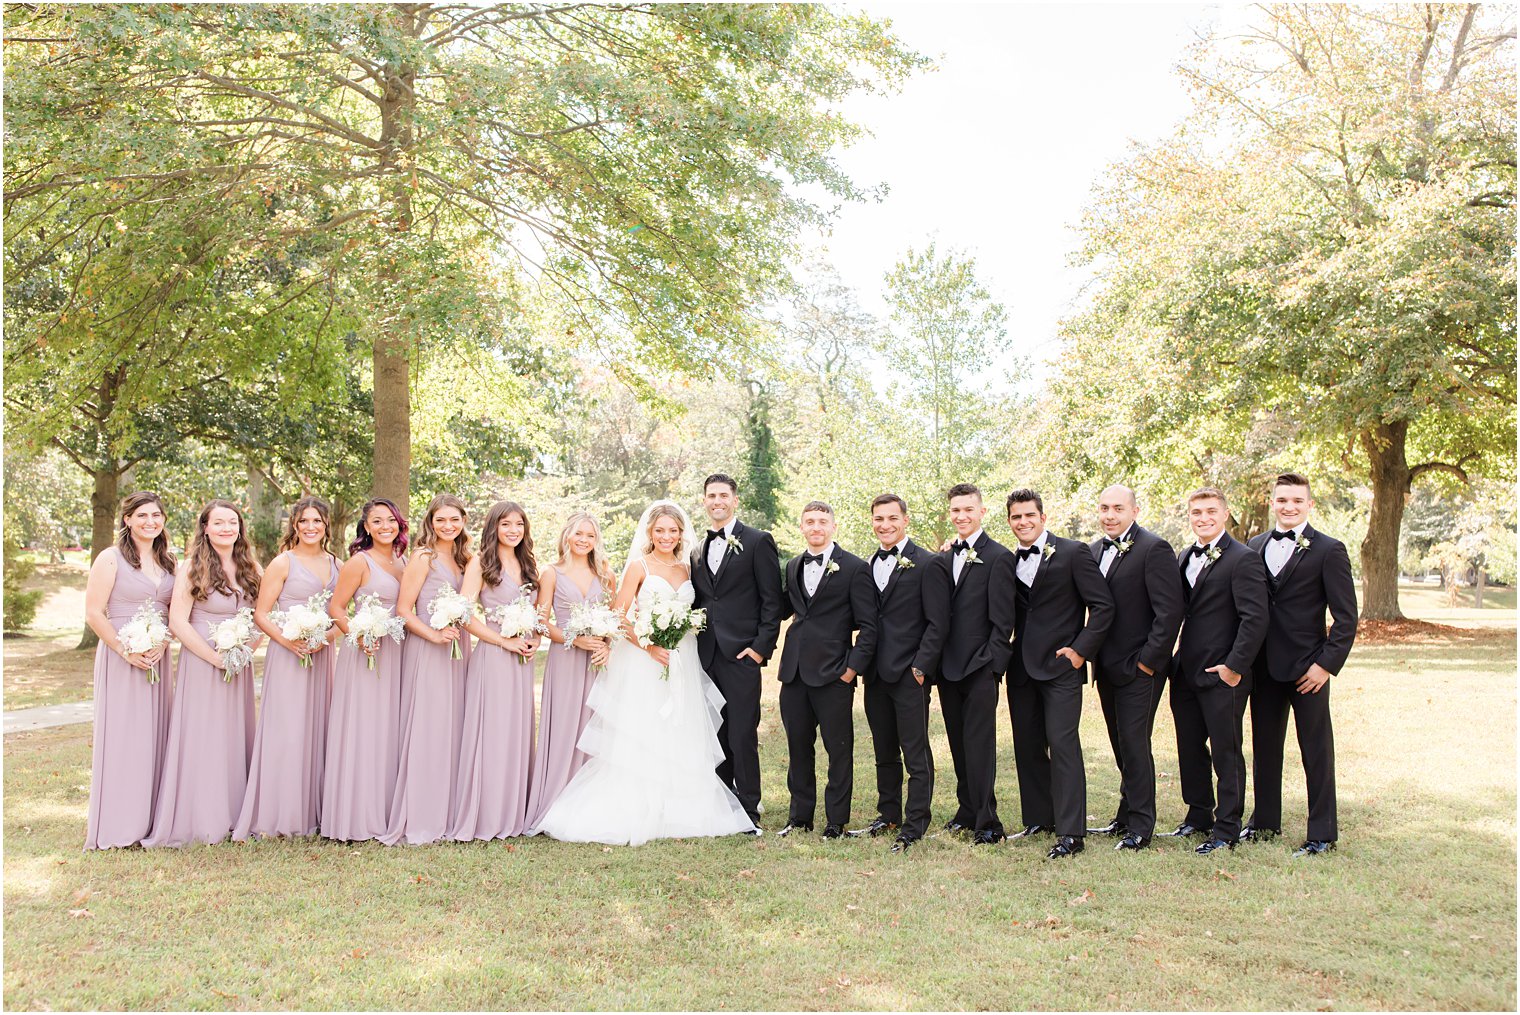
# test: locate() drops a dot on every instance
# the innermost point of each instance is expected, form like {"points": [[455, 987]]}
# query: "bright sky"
{"points": [[996, 151]]}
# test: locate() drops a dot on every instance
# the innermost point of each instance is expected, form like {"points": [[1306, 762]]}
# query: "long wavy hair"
{"points": [[600, 564], [363, 540], [206, 574], [675, 514], [125, 545], [428, 539], [292, 538], [490, 546]]}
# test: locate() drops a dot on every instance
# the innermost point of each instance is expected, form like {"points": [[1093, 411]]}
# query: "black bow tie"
{"points": [[811, 558], [1199, 551], [714, 534], [959, 546], [884, 554], [1025, 552], [1109, 542], [1279, 534]]}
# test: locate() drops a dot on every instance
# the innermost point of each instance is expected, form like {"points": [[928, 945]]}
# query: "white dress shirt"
{"points": [[1196, 561], [1279, 550], [1030, 565], [812, 571], [1111, 553], [881, 569], [958, 562], [718, 547]]}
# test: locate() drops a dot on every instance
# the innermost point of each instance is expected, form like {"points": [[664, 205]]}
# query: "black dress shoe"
{"points": [[903, 843], [955, 826], [1315, 847], [1208, 847], [1253, 834], [1132, 841], [1185, 830], [790, 828], [875, 828], [1030, 830], [833, 832], [986, 837], [1066, 845], [1112, 828]]}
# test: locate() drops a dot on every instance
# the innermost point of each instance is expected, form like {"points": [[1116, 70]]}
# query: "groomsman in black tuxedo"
{"points": [[1130, 669], [980, 582], [737, 577], [1307, 573], [1063, 610], [912, 613], [829, 595], [1222, 630]]}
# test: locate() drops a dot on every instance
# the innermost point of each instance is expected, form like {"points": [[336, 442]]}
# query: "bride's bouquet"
{"points": [[518, 619], [306, 622], [233, 638], [450, 609], [145, 632], [373, 622], [665, 622], [593, 619]]}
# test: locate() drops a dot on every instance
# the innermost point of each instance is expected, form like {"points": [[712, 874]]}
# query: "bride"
{"points": [[652, 742]]}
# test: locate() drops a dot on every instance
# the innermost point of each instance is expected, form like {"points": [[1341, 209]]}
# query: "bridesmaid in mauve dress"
{"points": [[211, 725], [582, 574], [284, 795], [131, 715], [491, 795], [364, 728], [432, 682]]}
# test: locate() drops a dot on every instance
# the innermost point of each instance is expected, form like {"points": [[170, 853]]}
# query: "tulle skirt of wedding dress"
{"points": [[653, 753]]}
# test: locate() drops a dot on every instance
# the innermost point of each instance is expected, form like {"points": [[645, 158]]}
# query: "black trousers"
{"points": [[1210, 722], [739, 735], [1271, 700], [970, 709], [806, 712], [1047, 751], [898, 714], [1129, 712]]}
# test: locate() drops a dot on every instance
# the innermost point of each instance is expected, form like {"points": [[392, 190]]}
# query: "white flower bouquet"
{"points": [[233, 638], [372, 623], [596, 619], [450, 609], [518, 619], [306, 622], [666, 622], [145, 632]]}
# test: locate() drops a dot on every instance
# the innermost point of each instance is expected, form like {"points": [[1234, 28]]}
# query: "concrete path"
{"points": [[46, 716]]}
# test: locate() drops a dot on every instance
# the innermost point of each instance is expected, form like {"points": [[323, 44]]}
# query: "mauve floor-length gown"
{"points": [[563, 714]]}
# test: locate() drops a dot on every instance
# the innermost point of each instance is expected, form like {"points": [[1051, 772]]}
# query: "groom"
{"points": [[737, 578]]}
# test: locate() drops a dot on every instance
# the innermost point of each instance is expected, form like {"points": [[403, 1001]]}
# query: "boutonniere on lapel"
{"points": [[1123, 546], [1212, 554], [733, 543], [1048, 552], [831, 567], [1301, 544], [972, 557], [903, 563]]}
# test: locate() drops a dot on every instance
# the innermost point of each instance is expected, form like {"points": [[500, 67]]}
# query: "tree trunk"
{"points": [[103, 504], [1479, 580], [1389, 468]]}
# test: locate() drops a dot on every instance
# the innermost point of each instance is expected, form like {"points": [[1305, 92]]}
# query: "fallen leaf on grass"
{"points": [[866, 874], [1051, 921], [510, 847], [843, 981], [1224, 874], [850, 909], [669, 927], [748, 872], [358, 953], [81, 914], [223, 993], [422, 879], [83, 895], [1083, 899], [606, 849]]}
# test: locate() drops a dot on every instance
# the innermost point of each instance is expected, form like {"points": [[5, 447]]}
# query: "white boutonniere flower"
{"points": [[903, 563], [1301, 544], [831, 567], [733, 543], [1212, 554], [1123, 546], [972, 557], [1048, 552]]}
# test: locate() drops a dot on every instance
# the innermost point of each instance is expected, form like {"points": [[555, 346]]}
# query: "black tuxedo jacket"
{"points": [[912, 614], [1068, 604], [743, 600], [1226, 616], [1149, 599], [979, 635], [818, 648], [1313, 579]]}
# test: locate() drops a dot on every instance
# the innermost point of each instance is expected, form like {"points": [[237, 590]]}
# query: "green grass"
{"points": [[1415, 910]]}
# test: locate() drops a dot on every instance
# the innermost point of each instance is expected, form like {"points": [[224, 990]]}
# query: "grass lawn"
{"points": [[1415, 910]]}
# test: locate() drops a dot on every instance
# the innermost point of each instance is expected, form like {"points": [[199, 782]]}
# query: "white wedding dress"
{"points": [[653, 750]]}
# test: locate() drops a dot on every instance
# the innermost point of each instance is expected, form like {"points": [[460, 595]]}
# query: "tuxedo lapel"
{"points": [[1208, 565], [728, 551], [1281, 578], [794, 586], [1043, 566], [897, 570]]}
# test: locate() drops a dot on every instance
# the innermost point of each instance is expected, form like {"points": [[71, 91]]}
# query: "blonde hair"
{"points": [[600, 565], [655, 514]]}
